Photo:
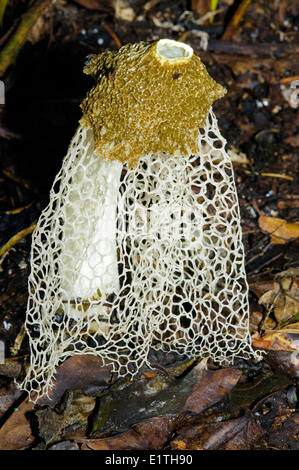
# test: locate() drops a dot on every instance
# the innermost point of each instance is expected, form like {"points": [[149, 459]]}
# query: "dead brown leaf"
{"points": [[213, 386], [281, 231], [151, 434], [16, 432], [85, 373]]}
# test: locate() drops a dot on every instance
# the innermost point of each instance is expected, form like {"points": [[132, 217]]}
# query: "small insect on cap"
{"points": [[148, 97]]}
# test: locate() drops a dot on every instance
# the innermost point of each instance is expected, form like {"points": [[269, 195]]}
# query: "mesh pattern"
{"points": [[124, 259]]}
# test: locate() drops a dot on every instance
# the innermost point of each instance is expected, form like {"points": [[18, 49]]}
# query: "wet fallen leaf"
{"points": [[16, 432], [245, 394], [85, 373], [148, 435], [147, 396], [281, 231], [213, 386]]}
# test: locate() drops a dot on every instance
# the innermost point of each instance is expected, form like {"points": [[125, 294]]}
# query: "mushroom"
{"points": [[140, 246]]}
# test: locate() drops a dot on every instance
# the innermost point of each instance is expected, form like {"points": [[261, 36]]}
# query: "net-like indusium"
{"points": [[126, 258], [136, 258]]}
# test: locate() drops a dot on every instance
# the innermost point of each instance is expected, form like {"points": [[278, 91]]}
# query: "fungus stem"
{"points": [[92, 239]]}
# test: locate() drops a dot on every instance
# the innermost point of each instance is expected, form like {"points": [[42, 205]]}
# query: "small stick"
{"points": [[256, 49], [16, 238], [113, 35], [289, 79], [235, 20], [13, 46], [270, 175]]}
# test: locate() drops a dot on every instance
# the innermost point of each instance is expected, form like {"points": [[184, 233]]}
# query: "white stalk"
{"points": [[89, 256]]}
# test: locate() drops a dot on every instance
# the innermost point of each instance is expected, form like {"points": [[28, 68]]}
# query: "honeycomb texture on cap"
{"points": [[143, 103]]}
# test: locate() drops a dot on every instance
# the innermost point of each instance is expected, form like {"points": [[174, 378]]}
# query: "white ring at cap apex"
{"points": [[169, 50]]}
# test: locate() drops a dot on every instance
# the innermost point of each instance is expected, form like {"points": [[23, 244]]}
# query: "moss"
{"points": [[142, 103]]}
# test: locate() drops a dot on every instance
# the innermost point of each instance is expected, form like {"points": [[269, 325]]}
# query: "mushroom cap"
{"points": [[148, 97]]}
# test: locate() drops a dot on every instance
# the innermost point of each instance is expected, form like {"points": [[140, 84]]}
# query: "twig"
{"points": [[269, 261], [113, 35], [16, 179], [13, 46], [16, 238], [289, 79], [270, 175], [257, 49], [7, 34], [235, 20]]}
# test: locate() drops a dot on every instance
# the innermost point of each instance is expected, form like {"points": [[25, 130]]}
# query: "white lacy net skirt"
{"points": [[124, 260]]}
